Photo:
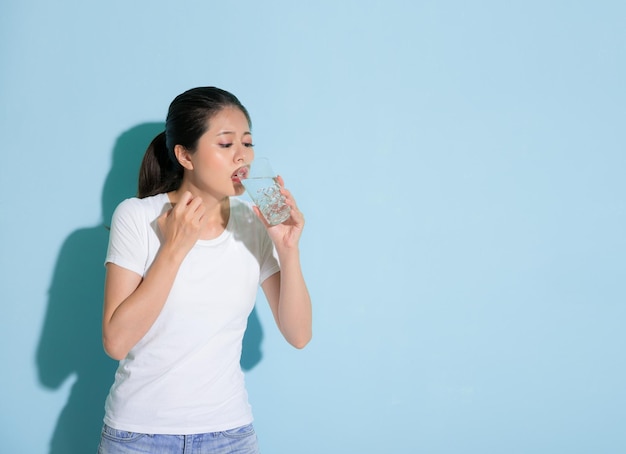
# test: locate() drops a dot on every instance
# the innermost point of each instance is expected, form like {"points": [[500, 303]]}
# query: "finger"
{"points": [[183, 201], [199, 212], [194, 211], [289, 200], [195, 205], [286, 193], [185, 198]]}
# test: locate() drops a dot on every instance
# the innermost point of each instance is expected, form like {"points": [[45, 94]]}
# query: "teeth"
{"points": [[241, 173]]}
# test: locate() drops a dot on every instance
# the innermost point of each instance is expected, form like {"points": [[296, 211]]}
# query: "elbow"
{"points": [[300, 345], [301, 341], [114, 351]]}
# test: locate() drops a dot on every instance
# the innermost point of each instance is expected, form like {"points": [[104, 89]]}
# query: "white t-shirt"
{"points": [[183, 377]]}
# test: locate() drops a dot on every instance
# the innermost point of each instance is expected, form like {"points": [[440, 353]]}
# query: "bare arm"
{"points": [[132, 304], [286, 291], [290, 302]]}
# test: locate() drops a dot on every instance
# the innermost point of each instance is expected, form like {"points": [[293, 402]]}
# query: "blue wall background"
{"points": [[461, 166]]}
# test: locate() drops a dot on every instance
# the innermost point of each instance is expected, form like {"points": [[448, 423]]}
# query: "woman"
{"points": [[184, 264]]}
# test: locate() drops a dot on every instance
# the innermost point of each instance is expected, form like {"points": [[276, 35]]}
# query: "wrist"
{"points": [[288, 254], [171, 255]]}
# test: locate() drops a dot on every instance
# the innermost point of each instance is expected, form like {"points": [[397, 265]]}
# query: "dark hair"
{"points": [[187, 119]]}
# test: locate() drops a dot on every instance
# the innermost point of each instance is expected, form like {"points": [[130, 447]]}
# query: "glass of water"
{"points": [[262, 186]]}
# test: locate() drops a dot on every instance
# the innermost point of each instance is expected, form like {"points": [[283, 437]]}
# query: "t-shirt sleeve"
{"points": [[127, 240], [269, 257]]}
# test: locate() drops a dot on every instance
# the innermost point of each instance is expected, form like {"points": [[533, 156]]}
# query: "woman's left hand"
{"points": [[287, 234]]}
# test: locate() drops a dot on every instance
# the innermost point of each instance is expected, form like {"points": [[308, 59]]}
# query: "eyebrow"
{"points": [[233, 132]]}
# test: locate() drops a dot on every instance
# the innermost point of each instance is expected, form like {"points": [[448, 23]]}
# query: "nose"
{"points": [[244, 154], [240, 154]]}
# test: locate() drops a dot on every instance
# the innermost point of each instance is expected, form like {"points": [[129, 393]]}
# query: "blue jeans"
{"points": [[241, 440]]}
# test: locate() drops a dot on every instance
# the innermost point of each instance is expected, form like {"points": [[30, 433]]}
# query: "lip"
{"points": [[240, 174]]}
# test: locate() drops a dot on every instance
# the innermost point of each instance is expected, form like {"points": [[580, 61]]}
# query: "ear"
{"points": [[183, 156]]}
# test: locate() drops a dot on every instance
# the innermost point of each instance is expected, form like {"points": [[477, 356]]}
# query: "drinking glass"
{"points": [[262, 186]]}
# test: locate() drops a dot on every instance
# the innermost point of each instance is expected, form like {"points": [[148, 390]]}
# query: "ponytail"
{"points": [[158, 173]]}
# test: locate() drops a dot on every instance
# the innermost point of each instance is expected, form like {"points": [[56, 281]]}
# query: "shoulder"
{"points": [[247, 225], [136, 210], [245, 219], [242, 211], [135, 205]]}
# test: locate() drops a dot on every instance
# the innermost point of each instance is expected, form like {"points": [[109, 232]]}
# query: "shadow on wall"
{"points": [[71, 340]]}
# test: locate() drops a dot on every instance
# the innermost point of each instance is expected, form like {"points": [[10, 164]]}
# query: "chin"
{"points": [[239, 189]]}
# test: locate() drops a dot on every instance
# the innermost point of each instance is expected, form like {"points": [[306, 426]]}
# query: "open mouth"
{"points": [[240, 174]]}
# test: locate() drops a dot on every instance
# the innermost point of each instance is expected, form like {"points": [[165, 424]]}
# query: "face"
{"points": [[223, 154]]}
